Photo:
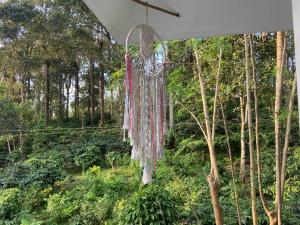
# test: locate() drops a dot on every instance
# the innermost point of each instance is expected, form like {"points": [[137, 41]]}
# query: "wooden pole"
{"points": [[156, 8]]}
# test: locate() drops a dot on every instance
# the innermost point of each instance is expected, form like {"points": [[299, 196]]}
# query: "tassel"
{"points": [[124, 135], [147, 174]]}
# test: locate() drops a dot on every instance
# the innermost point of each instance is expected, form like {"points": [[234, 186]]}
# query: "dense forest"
{"points": [[232, 152]]}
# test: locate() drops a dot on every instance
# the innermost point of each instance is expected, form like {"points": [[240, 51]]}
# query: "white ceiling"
{"points": [[197, 17]]}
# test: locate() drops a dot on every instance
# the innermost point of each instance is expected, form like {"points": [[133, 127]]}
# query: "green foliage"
{"points": [[150, 205], [9, 203], [40, 172], [182, 160], [87, 156], [15, 175], [35, 198], [292, 188], [178, 195], [61, 207], [192, 145], [9, 114], [89, 202], [113, 158]]}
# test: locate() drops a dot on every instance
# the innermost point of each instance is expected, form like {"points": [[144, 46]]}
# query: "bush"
{"points": [[39, 171], [34, 198], [113, 158], [187, 163], [15, 176], [61, 207], [88, 156], [9, 203], [89, 202], [43, 172], [150, 205]]}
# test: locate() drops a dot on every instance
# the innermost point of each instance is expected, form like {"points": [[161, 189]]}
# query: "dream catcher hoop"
{"points": [[146, 99]]}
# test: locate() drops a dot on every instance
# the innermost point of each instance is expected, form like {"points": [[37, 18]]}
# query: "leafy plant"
{"points": [[39, 171], [9, 203], [150, 205], [88, 156], [113, 158]]}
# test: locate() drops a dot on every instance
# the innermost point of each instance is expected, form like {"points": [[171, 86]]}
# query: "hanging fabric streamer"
{"points": [[146, 100]]}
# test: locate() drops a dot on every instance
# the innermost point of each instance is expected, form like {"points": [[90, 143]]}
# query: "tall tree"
{"points": [[47, 92], [92, 89], [250, 132], [213, 177], [100, 45]]}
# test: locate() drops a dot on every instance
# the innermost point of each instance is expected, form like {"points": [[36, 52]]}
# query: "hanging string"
{"points": [[58, 131], [95, 129], [147, 15]]}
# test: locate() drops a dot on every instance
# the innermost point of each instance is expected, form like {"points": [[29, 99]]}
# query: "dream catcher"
{"points": [[146, 99]]}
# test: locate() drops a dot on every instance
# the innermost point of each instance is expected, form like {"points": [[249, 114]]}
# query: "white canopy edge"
{"points": [[197, 18]]}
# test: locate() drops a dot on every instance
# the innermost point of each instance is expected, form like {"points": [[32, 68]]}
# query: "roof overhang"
{"points": [[198, 18]]}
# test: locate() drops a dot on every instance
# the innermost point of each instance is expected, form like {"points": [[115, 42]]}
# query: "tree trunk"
{"points": [[61, 97], [28, 89], [213, 177], [243, 147], [100, 45], [251, 147], [23, 89], [76, 75], [92, 90], [120, 105], [101, 96], [50, 107], [287, 136], [68, 85], [111, 103], [236, 197], [14, 144], [8, 146], [278, 98], [21, 140], [214, 193], [47, 93], [271, 215]]}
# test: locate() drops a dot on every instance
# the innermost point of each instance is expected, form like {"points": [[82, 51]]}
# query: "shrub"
{"points": [[61, 207], [113, 158], [125, 160], [150, 205], [43, 172], [9, 203], [15, 176], [88, 156], [186, 163], [35, 198], [89, 202], [39, 171]]}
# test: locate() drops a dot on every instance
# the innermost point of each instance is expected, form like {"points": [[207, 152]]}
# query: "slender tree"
{"points": [[47, 92], [232, 169], [92, 90], [250, 132], [213, 177], [242, 139]]}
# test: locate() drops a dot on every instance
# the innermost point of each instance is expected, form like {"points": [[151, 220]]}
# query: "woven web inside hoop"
{"points": [[148, 60]]}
